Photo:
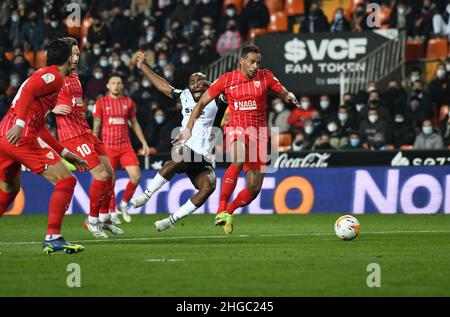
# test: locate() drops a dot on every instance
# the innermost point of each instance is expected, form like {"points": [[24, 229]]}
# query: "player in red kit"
{"points": [[25, 139], [246, 90], [111, 116], [75, 134]]}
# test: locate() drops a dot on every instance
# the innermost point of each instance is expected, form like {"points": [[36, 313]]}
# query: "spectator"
{"points": [[32, 33], [428, 139], [345, 121], [120, 30], [278, 118], [424, 23], [206, 11], [339, 23], [358, 16], [402, 131], [354, 142], [208, 33], [402, 18], [13, 31], [118, 67], [441, 23], [206, 53], [99, 33], [229, 40], [416, 112], [96, 84], [395, 98], [298, 117], [254, 15], [445, 130], [54, 29], [423, 96], [230, 14], [338, 135], [415, 75], [373, 126], [315, 21], [184, 70], [184, 12], [20, 65], [158, 132], [323, 142], [327, 112], [440, 88]]}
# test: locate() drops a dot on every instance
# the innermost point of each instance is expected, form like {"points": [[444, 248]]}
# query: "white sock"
{"points": [[123, 203], [51, 237], [157, 182], [184, 211], [92, 220], [104, 217]]}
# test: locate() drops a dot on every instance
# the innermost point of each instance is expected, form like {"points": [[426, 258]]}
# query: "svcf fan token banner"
{"points": [[387, 190], [311, 63]]}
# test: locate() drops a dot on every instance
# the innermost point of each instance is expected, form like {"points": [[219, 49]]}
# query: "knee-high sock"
{"points": [[242, 199], [96, 196], [104, 205], [185, 210], [229, 181], [59, 202], [129, 191], [157, 182], [5, 200]]}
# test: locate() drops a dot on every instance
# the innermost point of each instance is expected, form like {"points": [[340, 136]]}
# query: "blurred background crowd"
{"points": [[184, 36]]}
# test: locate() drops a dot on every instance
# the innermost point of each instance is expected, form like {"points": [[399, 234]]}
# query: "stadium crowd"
{"points": [[184, 36]]}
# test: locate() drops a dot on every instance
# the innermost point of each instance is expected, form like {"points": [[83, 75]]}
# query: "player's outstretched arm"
{"points": [[160, 83], [288, 97], [140, 135]]}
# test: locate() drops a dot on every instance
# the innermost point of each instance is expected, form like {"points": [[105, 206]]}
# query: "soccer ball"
{"points": [[347, 227]]}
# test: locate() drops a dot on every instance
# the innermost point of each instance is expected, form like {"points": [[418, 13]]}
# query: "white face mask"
{"points": [[145, 83], [98, 75], [230, 12], [305, 105], [278, 107], [162, 63], [186, 2], [308, 129], [342, 116], [373, 118], [97, 51], [90, 107], [440, 73], [324, 104], [427, 129], [15, 18], [359, 106], [104, 63], [14, 82], [414, 78], [116, 63], [447, 68], [207, 32], [159, 119], [168, 73], [332, 127], [54, 24], [399, 119], [184, 59]]}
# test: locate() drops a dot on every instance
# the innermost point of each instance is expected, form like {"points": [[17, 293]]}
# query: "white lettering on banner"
{"points": [[410, 186], [324, 68], [400, 160], [388, 203], [335, 49], [365, 185], [310, 160]]}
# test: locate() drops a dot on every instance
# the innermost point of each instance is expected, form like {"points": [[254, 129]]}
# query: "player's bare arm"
{"points": [[62, 110], [138, 131], [196, 112], [288, 97], [160, 83], [97, 127]]}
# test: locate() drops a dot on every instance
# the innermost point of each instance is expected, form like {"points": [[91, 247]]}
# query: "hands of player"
{"points": [[182, 137], [292, 99], [146, 149], [79, 163], [14, 134], [62, 110], [140, 58]]}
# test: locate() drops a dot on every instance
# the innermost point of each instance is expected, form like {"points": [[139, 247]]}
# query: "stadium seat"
{"points": [[41, 59], [406, 147], [437, 48], [252, 33], [415, 50], [284, 142], [294, 7], [278, 22], [237, 4], [9, 56], [274, 5], [29, 56], [443, 112]]}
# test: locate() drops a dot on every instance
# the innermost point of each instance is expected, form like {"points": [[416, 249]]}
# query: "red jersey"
{"points": [[35, 98], [115, 114], [74, 124], [247, 97]]}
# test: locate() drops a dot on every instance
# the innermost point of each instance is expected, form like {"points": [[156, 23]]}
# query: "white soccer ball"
{"points": [[347, 227]]}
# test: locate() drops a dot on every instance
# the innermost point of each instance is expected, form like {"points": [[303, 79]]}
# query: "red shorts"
{"points": [[87, 146], [255, 147], [125, 157], [35, 154]]}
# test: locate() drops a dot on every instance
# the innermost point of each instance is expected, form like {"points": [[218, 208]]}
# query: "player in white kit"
{"points": [[198, 166]]}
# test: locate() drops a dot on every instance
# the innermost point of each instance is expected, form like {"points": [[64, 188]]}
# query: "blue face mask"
{"points": [[354, 142], [159, 119]]}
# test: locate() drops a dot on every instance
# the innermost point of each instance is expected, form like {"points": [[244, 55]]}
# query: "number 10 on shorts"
{"points": [[84, 150]]}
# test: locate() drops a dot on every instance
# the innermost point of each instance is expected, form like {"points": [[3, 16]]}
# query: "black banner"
{"points": [[324, 159], [312, 63]]}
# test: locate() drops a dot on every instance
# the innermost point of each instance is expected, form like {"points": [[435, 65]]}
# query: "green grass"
{"points": [[268, 255]]}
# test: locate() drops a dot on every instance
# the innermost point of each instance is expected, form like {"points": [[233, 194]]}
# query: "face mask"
{"points": [[207, 32], [332, 127], [427, 129], [104, 63], [305, 105], [90, 107], [354, 142], [162, 63], [230, 13], [359, 106], [168, 73], [15, 18], [308, 129], [278, 107], [150, 36], [159, 119], [145, 83], [401, 10], [373, 118], [116, 64], [98, 75], [97, 51], [342, 116], [184, 59], [324, 104], [15, 82], [339, 16], [447, 68], [414, 78], [371, 88], [127, 13], [317, 122], [440, 73], [54, 24], [206, 1], [399, 119], [186, 2]]}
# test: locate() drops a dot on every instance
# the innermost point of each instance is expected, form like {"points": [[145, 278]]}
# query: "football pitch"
{"points": [[267, 255]]}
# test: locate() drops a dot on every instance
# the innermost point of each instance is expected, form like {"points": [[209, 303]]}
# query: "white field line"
{"points": [[227, 237]]}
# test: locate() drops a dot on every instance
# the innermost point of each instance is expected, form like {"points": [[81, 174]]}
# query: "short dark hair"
{"points": [[115, 75], [58, 51], [250, 49], [71, 41]]}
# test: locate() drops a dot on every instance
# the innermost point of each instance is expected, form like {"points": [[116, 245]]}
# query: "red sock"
{"points": [[5, 200], [59, 202], [104, 205], [129, 191], [96, 195], [243, 198], [229, 181], [112, 203]]}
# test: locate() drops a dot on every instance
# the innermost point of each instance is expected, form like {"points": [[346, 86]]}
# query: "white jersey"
{"points": [[199, 141]]}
